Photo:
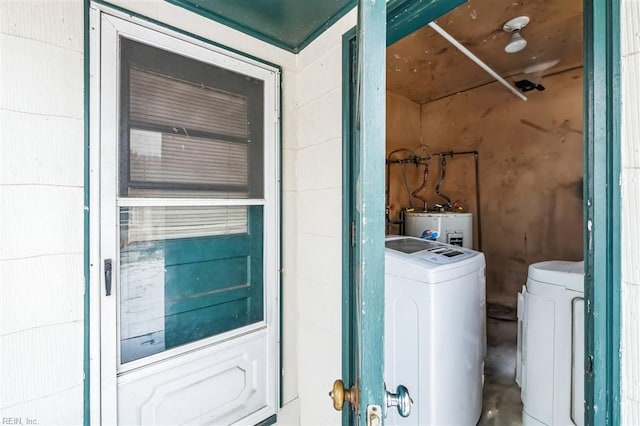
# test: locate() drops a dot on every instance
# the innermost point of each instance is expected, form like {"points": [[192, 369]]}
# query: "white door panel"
{"points": [[213, 386]]}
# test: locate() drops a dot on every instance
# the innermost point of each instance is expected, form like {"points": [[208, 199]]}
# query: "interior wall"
{"points": [[403, 131], [531, 168]]}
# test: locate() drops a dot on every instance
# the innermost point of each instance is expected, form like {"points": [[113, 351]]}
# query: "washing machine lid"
{"points": [[429, 261], [559, 272], [432, 251]]}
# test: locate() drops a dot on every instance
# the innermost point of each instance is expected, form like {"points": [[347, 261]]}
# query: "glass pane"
{"points": [[187, 273], [188, 128], [174, 163], [163, 100]]}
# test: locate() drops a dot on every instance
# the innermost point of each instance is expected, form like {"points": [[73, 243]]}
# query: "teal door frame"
{"points": [[601, 195], [602, 211], [349, 164], [368, 212]]}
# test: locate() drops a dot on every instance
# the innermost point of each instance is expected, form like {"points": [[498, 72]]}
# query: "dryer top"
{"points": [[559, 272]]}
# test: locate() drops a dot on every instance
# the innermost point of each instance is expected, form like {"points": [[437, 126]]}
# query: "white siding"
{"points": [[41, 211], [630, 40], [319, 236]]}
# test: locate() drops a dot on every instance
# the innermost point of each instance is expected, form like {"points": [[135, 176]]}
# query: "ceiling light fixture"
{"points": [[517, 42]]}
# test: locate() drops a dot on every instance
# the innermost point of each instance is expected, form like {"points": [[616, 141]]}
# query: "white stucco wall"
{"points": [[630, 342], [41, 211], [318, 177]]}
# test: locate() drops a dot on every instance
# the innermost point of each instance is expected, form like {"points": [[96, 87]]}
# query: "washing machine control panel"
{"points": [[431, 251]]}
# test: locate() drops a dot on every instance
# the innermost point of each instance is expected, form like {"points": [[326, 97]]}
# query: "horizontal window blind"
{"points": [[163, 223], [166, 101], [166, 158], [179, 193]]}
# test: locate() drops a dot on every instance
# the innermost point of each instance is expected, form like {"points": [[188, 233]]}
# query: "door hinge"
{"points": [[353, 233], [354, 71], [589, 366]]}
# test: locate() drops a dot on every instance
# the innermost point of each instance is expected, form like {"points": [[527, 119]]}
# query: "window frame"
{"points": [[207, 72], [214, 58]]}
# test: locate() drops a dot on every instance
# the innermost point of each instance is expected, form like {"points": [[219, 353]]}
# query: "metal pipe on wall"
{"points": [[420, 160], [475, 153], [437, 28], [477, 178], [388, 162]]}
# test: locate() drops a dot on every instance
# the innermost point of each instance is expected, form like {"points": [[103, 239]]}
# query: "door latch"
{"points": [[107, 277], [374, 415]]}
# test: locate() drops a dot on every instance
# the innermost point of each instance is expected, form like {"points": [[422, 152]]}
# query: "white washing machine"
{"points": [[453, 228], [435, 333], [550, 361]]}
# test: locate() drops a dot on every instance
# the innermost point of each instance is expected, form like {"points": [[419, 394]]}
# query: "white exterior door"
{"points": [[185, 228]]}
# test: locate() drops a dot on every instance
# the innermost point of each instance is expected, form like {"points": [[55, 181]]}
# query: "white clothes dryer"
{"points": [[550, 361]]}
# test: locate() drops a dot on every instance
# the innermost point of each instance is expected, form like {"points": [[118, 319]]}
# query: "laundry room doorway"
{"points": [[591, 191]]}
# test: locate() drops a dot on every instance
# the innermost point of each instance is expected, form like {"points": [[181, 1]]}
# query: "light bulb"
{"points": [[516, 44]]}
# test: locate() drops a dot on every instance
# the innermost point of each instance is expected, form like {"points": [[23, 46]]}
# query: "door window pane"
{"points": [[164, 223], [163, 164], [187, 273], [188, 128], [161, 100]]}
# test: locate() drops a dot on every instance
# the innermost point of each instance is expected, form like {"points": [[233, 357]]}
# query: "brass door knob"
{"points": [[339, 395]]}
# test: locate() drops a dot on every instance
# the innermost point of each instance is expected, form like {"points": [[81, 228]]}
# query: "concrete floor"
{"points": [[501, 400]]}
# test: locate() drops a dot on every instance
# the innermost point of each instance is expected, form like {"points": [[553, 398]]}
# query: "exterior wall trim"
{"points": [[602, 211], [86, 402], [283, 44], [347, 214]]}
